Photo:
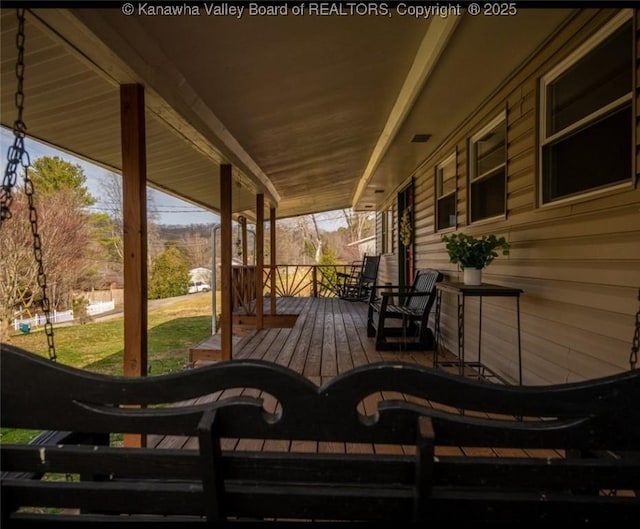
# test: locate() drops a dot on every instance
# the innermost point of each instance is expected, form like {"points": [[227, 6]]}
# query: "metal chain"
{"points": [[37, 253], [635, 346], [18, 157]]}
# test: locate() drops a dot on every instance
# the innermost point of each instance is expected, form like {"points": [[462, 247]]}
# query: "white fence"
{"points": [[59, 317], [100, 306]]}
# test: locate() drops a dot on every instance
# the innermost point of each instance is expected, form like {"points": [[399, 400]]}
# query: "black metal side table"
{"points": [[462, 292]]}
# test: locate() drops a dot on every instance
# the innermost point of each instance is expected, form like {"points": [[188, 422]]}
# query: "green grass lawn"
{"points": [[98, 346]]}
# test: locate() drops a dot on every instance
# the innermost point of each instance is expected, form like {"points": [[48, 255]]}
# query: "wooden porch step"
{"points": [[210, 350]]}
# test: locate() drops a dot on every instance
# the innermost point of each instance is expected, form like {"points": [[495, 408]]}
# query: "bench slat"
{"points": [[117, 497], [497, 506], [338, 502], [545, 474], [102, 460], [27, 519], [356, 468]]}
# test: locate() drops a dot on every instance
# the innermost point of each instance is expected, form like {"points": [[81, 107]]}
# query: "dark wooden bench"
{"points": [[362, 479]]}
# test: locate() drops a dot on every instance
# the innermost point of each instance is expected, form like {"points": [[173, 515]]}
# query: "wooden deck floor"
{"points": [[328, 338]]}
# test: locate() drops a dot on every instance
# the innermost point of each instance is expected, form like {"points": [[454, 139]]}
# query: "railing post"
{"points": [[272, 252], [259, 278], [315, 280]]}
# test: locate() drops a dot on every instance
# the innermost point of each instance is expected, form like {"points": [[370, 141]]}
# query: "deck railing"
{"points": [[291, 281]]}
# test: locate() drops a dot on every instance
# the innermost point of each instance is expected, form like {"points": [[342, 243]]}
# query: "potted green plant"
{"points": [[473, 253]]}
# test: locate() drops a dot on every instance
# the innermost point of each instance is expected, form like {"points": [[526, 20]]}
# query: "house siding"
{"points": [[388, 268], [578, 263]]}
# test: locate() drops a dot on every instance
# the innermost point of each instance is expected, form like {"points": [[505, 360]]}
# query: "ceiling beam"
{"points": [[434, 42]]}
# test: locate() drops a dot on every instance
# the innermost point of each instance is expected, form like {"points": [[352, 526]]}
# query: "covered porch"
{"points": [[354, 111], [370, 112]]}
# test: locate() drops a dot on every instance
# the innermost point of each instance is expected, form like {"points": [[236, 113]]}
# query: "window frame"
{"points": [[387, 231], [452, 157], [594, 117], [499, 119]]}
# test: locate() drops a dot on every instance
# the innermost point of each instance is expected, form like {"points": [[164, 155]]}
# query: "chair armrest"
{"points": [[387, 286], [404, 292], [411, 294], [383, 298]]}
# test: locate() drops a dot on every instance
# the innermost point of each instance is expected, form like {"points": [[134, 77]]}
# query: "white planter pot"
{"points": [[472, 276]]}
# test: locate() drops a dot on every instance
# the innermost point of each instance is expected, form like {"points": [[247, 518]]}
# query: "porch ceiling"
{"points": [[314, 111]]}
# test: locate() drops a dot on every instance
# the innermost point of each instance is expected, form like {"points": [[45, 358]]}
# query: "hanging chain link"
{"points": [[635, 346], [17, 158], [37, 253]]}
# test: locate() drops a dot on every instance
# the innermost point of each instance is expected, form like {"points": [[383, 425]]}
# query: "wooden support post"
{"points": [[272, 242], [243, 228], [226, 300], [259, 261], [134, 182]]}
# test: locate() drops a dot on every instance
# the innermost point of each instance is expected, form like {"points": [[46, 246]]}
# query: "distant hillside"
{"points": [[180, 232]]}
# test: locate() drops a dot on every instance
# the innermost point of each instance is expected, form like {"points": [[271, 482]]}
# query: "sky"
{"points": [[171, 210]]}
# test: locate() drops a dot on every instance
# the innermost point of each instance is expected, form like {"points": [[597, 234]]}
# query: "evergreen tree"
{"points": [[52, 173], [169, 274]]}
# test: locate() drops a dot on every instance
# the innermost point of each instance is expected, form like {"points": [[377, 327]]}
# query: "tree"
{"points": [[64, 233], [359, 225], [109, 225], [290, 242], [169, 274], [52, 173], [60, 196], [198, 249], [107, 246], [313, 241]]}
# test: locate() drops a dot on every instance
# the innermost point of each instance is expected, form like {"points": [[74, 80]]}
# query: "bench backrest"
{"points": [[344, 418]]}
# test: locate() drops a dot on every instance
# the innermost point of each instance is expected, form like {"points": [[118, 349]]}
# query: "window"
{"points": [[586, 110], [446, 173], [488, 171], [387, 231]]}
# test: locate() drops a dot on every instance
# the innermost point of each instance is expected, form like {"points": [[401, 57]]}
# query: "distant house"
{"points": [[366, 246], [200, 273]]}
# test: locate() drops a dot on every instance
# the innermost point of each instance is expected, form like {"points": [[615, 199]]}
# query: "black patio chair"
{"points": [[349, 277], [410, 314], [359, 288]]}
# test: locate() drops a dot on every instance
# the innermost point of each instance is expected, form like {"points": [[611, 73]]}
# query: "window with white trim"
{"points": [[586, 109], [446, 174], [387, 231], [488, 171]]}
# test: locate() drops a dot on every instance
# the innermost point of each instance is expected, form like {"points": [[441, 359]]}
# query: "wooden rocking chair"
{"points": [[360, 287], [412, 311]]}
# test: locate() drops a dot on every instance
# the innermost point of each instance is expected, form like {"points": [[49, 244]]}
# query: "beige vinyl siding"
{"points": [[578, 262], [388, 268]]}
